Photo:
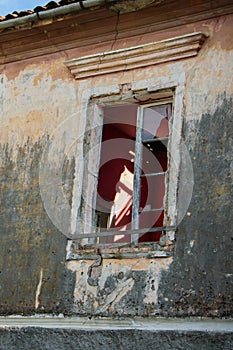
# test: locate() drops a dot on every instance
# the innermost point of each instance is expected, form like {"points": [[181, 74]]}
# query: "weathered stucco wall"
{"points": [[39, 95], [33, 273]]}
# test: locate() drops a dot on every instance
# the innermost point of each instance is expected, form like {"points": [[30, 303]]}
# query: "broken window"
{"points": [[131, 189]]}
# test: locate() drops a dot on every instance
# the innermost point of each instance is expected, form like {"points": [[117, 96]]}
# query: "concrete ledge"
{"points": [[61, 333]]}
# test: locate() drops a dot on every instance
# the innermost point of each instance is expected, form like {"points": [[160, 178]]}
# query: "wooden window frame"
{"points": [[83, 246]]}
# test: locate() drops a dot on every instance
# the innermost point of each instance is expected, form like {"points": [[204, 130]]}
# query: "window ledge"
{"points": [[114, 251]]}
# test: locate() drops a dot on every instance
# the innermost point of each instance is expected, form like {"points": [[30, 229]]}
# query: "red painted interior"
{"points": [[119, 123]]}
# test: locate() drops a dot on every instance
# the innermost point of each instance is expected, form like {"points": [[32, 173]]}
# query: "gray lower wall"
{"points": [[62, 339]]}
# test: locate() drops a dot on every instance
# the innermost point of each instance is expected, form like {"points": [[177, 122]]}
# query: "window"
{"points": [[97, 215], [127, 173], [130, 201]]}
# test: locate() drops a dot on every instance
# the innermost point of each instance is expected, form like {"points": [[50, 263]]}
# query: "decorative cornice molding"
{"points": [[136, 57]]}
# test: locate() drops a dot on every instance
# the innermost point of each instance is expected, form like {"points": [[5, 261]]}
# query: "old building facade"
{"points": [[84, 85]]}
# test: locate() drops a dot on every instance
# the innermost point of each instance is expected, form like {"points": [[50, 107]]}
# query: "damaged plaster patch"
{"points": [[117, 294], [121, 287], [113, 282]]}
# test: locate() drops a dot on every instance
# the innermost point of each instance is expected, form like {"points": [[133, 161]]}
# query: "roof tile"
{"points": [[52, 5], [11, 16], [24, 13], [39, 8]]}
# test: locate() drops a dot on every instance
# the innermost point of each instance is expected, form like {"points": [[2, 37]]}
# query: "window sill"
{"points": [[118, 251]]}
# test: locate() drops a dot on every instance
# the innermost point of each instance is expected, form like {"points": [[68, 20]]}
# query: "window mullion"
{"points": [[137, 174]]}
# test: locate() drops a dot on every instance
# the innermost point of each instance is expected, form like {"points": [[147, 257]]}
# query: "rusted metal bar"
{"points": [[126, 232], [120, 255]]}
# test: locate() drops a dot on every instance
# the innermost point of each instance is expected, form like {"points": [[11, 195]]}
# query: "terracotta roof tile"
{"points": [[52, 5], [11, 16], [49, 6], [39, 8], [23, 13]]}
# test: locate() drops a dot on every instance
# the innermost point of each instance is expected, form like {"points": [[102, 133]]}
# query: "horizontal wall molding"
{"points": [[137, 56]]}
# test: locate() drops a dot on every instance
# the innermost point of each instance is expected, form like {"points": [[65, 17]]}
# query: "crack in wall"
{"points": [[116, 30]]}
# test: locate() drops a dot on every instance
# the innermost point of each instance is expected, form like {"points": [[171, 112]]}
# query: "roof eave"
{"points": [[37, 17]]}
